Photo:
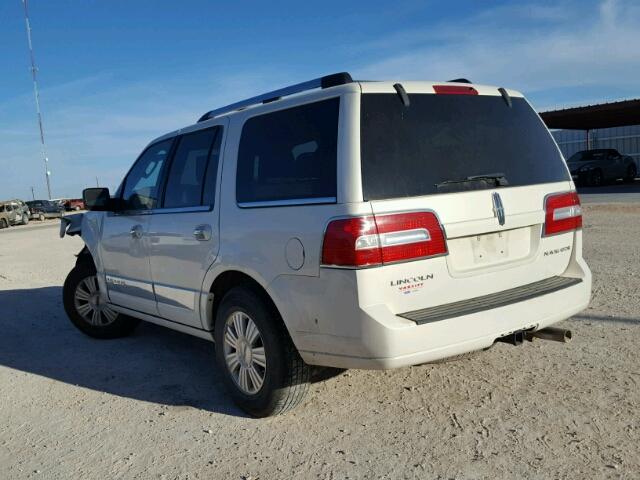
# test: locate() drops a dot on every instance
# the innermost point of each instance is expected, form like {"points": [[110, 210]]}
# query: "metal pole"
{"points": [[588, 139], [97, 183], [33, 195], [34, 71]]}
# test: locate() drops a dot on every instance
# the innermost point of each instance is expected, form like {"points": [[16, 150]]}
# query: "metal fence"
{"points": [[624, 139]]}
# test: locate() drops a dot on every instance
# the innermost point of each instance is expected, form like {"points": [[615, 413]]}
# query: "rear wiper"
{"points": [[499, 178]]}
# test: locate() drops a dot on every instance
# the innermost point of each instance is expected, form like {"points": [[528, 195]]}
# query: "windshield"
{"points": [[444, 143]]}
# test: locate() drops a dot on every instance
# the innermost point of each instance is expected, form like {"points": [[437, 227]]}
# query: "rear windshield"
{"points": [[438, 142]]}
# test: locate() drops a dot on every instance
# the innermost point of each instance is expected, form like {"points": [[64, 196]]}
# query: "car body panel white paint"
{"points": [[178, 260], [343, 317]]}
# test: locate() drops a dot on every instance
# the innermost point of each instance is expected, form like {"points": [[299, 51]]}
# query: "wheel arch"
{"points": [[226, 281]]}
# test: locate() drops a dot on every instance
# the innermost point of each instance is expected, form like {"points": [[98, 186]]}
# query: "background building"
{"points": [[606, 125], [624, 139]]}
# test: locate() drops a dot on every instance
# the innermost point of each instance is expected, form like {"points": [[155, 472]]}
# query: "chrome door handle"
{"points": [[202, 233], [136, 231]]}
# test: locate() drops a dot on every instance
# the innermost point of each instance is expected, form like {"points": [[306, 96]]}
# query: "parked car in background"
{"points": [[4, 220], [74, 204], [41, 209], [17, 212], [595, 167]]}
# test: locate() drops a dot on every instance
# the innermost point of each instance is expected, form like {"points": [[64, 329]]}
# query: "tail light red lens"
{"points": [[454, 90], [563, 213], [376, 240]]}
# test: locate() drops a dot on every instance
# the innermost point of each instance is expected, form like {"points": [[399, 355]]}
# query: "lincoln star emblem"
{"points": [[498, 209]]}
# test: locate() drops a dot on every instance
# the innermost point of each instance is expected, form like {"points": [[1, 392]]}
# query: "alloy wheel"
{"points": [[90, 306], [244, 353]]}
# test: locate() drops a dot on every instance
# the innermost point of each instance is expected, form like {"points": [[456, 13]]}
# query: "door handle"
{"points": [[202, 233], [136, 231]]}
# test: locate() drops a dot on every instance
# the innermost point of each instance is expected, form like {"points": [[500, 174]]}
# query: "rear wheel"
{"points": [[261, 367], [4, 223], [25, 219], [87, 311], [632, 173], [595, 178], [41, 217]]}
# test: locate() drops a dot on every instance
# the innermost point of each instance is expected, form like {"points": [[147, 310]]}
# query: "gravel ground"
{"points": [[153, 406]]}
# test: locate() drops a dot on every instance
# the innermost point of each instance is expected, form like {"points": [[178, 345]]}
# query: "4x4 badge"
{"points": [[498, 209]]}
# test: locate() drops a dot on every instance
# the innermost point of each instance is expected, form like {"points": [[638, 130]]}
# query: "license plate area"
{"points": [[479, 252], [490, 247]]}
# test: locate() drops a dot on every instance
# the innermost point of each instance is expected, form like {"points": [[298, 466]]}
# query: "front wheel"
{"points": [[86, 309], [25, 219], [41, 217], [261, 367], [4, 223]]}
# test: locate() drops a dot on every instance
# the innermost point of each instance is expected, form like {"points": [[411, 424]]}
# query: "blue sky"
{"points": [[114, 74]]}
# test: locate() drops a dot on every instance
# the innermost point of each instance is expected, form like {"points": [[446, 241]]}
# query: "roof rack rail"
{"points": [[459, 80], [321, 82]]}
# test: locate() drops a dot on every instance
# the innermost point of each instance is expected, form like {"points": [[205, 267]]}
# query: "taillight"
{"points": [[454, 90], [376, 240], [562, 213]]}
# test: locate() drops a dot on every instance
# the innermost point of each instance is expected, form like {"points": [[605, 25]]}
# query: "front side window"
{"points": [[289, 154], [193, 159], [142, 186]]}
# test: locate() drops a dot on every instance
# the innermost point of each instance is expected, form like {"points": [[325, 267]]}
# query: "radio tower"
{"points": [[34, 71]]}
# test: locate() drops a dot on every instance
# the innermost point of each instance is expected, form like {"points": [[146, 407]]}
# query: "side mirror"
{"points": [[97, 199]]}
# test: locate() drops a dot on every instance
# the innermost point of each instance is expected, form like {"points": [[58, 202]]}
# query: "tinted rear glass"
{"points": [[289, 154], [411, 151]]}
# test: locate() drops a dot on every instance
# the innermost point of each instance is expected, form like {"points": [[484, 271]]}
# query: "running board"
{"points": [[180, 327], [488, 302]]}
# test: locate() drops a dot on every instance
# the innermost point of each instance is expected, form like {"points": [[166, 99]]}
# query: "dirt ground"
{"points": [[153, 406]]}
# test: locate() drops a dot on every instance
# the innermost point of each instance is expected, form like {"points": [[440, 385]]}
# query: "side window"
{"points": [[189, 168], [289, 154], [142, 186]]}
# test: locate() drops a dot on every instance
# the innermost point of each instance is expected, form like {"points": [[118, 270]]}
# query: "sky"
{"points": [[114, 74]]}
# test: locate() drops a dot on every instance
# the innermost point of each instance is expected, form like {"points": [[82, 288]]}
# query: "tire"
{"points": [[81, 302], [25, 219], [632, 173], [41, 217], [275, 378], [3, 223], [76, 208], [595, 178]]}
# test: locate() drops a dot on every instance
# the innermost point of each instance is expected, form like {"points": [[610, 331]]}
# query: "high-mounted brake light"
{"points": [[380, 239], [454, 90], [563, 213]]}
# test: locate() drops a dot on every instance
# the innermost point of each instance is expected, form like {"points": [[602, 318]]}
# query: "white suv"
{"points": [[338, 223]]}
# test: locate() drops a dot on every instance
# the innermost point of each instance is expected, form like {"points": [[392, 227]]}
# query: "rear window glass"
{"points": [[289, 154], [436, 143]]}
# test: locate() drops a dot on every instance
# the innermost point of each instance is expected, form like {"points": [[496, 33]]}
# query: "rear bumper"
{"points": [[342, 320], [383, 347]]}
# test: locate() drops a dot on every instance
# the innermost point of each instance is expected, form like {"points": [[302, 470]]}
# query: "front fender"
{"points": [[71, 225], [89, 226]]}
